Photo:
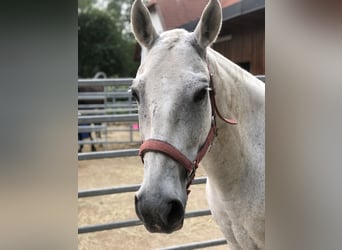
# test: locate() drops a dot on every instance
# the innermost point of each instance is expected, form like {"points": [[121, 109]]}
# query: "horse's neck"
{"points": [[239, 95]]}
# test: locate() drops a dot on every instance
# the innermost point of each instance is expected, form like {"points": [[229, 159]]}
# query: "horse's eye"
{"points": [[134, 94], [200, 95]]}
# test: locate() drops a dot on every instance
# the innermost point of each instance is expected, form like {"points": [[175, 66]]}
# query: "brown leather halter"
{"points": [[166, 148]]}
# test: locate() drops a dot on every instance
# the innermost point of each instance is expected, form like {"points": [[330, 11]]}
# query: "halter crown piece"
{"points": [[166, 148]]}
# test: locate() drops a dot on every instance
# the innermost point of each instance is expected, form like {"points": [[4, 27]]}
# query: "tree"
{"points": [[85, 5], [102, 46], [120, 9]]}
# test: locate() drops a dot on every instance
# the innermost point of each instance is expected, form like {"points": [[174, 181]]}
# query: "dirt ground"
{"points": [[118, 207]]}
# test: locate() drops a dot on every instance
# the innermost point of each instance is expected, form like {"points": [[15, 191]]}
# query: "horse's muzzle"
{"points": [[160, 216]]}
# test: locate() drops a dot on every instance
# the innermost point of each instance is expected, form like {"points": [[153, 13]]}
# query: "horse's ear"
{"points": [[142, 26], [209, 25]]}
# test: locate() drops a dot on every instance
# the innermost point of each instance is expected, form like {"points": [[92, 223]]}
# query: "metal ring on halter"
{"points": [[192, 174]]}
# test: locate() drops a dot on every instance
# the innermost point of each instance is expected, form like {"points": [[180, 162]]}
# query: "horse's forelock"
{"points": [[171, 38]]}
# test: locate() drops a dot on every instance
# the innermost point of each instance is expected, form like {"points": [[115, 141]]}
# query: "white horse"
{"points": [[177, 114]]}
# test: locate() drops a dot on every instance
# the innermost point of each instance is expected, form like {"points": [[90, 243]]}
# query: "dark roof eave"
{"points": [[232, 11]]}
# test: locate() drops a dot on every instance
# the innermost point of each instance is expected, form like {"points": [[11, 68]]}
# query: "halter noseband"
{"points": [[166, 148]]}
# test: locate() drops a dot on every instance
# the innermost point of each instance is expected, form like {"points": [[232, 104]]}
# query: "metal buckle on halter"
{"points": [[193, 170], [213, 123], [191, 176], [213, 120], [209, 148]]}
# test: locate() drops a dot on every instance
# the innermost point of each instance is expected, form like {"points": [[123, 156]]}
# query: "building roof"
{"points": [[250, 10], [175, 13]]}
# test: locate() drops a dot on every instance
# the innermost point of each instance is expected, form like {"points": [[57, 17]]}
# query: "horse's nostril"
{"points": [[175, 213]]}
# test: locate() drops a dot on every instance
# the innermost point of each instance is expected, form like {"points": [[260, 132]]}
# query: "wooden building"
{"points": [[242, 37]]}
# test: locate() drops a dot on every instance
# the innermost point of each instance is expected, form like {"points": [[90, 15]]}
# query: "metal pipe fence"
{"points": [[127, 223], [124, 189], [105, 82], [131, 223], [107, 118], [104, 103], [108, 154]]}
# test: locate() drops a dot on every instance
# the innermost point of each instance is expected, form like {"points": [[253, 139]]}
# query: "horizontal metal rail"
{"points": [[105, 82], [118, 104], [124, 189], [197, 245], [91, 97], [103, 96], [108, 154], [125, 110], [107, 118], [108, 226], [109, 93], [109, 129], [108, 191], [95, 128], [106, 142], [131, 223]]}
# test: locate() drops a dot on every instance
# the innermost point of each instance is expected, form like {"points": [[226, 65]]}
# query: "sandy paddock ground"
{"points": [[118, 207]]}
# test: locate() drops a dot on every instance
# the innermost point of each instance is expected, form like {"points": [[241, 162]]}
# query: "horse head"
{"points": [[172, 90]]}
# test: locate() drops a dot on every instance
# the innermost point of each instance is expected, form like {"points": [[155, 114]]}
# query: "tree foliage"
{"points": [[121, 10], [102, 43], [85, 5]]}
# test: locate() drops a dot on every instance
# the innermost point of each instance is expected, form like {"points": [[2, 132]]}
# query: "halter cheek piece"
{"points": [[166, 148]]}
